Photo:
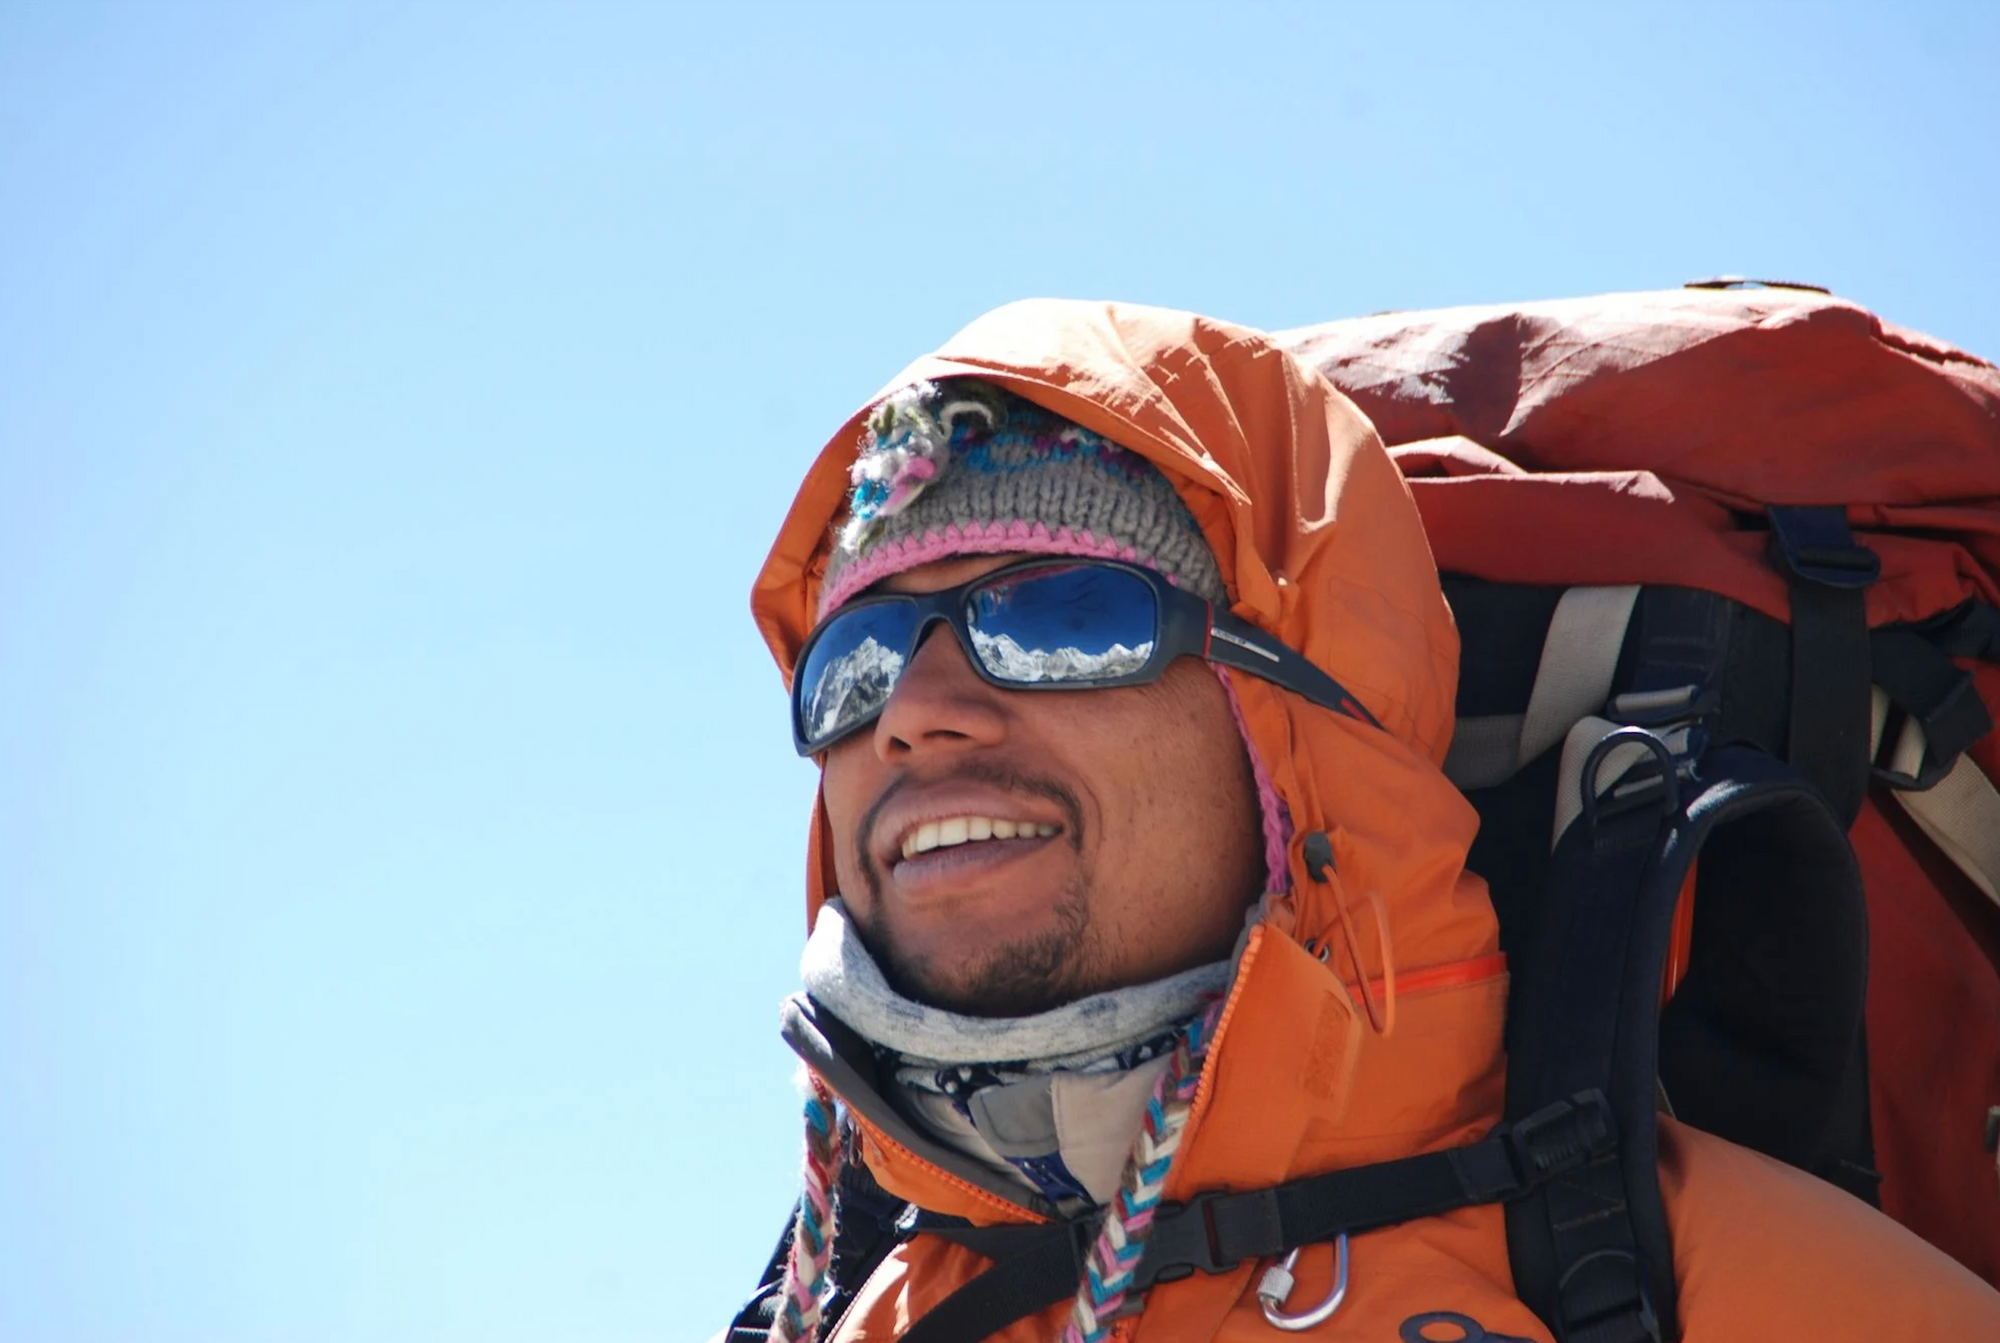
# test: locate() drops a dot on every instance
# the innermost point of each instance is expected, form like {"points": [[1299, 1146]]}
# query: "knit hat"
{"points": [[963, 467]]}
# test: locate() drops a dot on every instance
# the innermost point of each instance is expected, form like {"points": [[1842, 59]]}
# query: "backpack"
{"points": [[1725, 563], [1755, 524]]}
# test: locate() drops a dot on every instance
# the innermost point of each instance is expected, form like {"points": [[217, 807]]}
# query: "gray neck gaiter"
{"points": [[1054, 1099]]}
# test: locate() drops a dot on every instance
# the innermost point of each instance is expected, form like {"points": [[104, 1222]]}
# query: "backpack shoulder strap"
{"points": [[1591, 1252]]}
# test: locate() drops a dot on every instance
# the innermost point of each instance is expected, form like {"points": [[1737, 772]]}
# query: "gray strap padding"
{"points": [[1484, 750], [1579, 659], [1960, 812]]}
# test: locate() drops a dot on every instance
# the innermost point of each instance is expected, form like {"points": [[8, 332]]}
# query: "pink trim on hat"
{"points": [[987, 538], [1276, 817]]}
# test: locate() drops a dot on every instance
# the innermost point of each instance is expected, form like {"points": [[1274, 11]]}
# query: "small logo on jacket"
{"points": [[1431, 1327]]}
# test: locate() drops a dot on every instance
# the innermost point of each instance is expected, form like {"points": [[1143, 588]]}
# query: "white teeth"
{"points": [[965, 829]]}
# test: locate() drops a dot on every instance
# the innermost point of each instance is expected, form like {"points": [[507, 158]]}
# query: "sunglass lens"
{"points": [[852, 668], [1064, 623]]}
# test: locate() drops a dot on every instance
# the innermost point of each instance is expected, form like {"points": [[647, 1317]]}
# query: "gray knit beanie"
{"points": [[963, 467]]}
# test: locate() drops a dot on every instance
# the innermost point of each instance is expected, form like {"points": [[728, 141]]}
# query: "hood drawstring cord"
{"points": [[804, 1289], [1121, 1243]]}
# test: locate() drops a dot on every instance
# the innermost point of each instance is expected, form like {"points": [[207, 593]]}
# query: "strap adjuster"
{"points": [[1187, 1237], [1602, 1298], [1565, 1136], [1814, 544]]}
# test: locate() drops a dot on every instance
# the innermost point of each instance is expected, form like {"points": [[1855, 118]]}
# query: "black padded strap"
{"points": [[1828, 572], [1768, 1019], [1215, 1232], [1969, 630], [1584, 1257]]}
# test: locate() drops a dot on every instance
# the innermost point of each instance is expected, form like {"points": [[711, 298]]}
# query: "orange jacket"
{"points": [[1319, 542]]}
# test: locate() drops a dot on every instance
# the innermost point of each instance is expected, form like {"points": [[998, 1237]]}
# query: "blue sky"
{"points": [[400, 839]]}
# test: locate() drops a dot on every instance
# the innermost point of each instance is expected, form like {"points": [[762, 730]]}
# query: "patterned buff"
{"points": [[962, 467]]}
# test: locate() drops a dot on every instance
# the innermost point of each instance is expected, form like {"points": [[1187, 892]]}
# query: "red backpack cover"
{"points": [[1643, 439]]}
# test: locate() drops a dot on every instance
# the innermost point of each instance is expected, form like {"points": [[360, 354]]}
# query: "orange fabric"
{"points": [[1320, 542]]}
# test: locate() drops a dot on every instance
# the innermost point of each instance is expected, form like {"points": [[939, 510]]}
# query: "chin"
{"points": [[1025, 977]]}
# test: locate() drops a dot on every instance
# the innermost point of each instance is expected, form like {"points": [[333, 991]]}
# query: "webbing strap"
{"points": [[1961, 814], [1037, 1266], [1215, 1232], [1960, 810], [1944, 714], [1828, 573], [1579, 661]]}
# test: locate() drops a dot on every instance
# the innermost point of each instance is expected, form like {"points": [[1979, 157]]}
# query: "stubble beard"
{"points": [[1018, 977]]}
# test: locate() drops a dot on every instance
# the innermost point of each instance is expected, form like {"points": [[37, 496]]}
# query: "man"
{"points": [[1134, 874]]}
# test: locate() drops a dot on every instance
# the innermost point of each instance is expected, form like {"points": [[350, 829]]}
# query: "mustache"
{"points": [[988, 772]]}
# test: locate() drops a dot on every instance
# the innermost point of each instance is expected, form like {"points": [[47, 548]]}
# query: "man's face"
{"points": [[1136, 842]]}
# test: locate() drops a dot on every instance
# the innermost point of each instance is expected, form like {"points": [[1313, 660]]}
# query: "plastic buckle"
{"points": [[1562, 1137], [1185, 1238], [1814, 544]]}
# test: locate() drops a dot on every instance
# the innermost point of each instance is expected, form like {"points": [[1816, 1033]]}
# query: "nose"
{"points": [[939, 704]]}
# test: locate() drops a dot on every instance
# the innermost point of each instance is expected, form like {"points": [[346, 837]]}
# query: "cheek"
{"points": [[1178, 756], [844, 790]]}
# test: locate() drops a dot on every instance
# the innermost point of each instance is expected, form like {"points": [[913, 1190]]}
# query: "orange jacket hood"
{"points": [[1317, 1063], [1317, 539]]}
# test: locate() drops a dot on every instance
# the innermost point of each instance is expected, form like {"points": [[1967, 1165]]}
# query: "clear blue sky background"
{"points": [[400, 840]]}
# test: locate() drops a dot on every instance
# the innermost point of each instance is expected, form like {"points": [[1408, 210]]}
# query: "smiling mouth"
{"points": [[953, 831]]}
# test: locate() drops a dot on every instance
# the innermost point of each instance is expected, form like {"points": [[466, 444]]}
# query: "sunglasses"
{"points": [[1037, 625]]}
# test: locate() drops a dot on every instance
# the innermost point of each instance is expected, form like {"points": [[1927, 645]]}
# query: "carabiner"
{"points": [[1276, 1285]]}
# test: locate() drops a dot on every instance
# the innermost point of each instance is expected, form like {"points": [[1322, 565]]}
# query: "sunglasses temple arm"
{"points": [[1246, 648]]}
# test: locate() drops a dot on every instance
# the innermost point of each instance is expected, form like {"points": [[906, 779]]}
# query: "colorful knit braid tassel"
{"points": [[1115, 1255], [804, 1289]]}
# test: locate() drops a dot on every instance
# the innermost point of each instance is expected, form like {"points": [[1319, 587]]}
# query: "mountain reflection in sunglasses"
{"points": [[1036, 625]]}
